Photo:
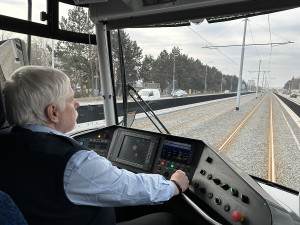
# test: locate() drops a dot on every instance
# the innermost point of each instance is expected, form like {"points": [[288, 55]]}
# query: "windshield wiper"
{"points": [[147, 109]]}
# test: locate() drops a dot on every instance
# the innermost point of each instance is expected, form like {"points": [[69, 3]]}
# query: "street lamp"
{"points": [[205, 84], [222, 80], [175, 54]]}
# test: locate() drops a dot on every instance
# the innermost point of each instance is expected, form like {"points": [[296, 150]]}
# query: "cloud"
{"points": [[282, 60]]}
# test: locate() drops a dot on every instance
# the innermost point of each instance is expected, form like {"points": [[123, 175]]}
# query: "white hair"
{"points": [[30, 89]]}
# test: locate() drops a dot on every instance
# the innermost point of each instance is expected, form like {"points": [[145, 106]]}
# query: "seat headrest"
{"points": [[2, 110]]}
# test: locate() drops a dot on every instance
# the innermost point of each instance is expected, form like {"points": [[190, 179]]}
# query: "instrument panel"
{"points": [[214, 180]]}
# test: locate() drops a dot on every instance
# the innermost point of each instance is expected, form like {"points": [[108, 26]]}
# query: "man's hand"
{"points": [[180, 177]]}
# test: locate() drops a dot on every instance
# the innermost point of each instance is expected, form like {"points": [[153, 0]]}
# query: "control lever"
{"points": [[200, 211]]}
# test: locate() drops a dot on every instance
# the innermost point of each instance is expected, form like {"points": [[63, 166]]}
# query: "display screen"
{"points": [[134, 150], [176, 151]]}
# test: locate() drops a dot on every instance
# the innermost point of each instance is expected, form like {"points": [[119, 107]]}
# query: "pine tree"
{"points": [[78, 61]]}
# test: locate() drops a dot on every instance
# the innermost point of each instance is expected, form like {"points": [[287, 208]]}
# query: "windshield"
{"points": [[196, 72], [257, 131]]}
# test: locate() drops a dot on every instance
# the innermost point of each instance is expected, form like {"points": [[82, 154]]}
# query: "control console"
{"points": [[147, 152], [214, 180]]}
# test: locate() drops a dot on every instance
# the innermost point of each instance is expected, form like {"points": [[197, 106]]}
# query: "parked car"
{"points": [[226, 92], [293, 95], [149, 94], [179, 93]]}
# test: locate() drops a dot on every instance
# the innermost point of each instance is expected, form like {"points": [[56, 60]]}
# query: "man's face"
{"points": [[68, 117]]}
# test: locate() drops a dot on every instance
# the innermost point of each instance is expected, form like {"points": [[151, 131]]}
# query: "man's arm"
{"points": [[91, 180]]}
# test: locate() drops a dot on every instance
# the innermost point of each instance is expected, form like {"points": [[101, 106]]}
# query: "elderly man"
{"points": [[50, 177]]}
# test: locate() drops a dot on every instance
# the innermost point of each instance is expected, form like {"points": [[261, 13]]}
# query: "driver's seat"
{"points": [[2, 111], [9, 212]]}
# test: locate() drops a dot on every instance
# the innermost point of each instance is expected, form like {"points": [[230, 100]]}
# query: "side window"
{"points": [[151, 93]]}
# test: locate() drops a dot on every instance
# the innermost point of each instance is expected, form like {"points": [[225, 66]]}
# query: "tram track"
{"points": [[253, 137], [222, 146], [195, 110], [271, 159], [271, 174]]}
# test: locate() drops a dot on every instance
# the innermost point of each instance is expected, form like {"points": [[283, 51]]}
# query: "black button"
{"points": [[245, 199], [209, 176], [217, 181], [196, 185], [227, 208], [203, 172], [166, 174], [218, 201], [225, 186], [209, 160]]}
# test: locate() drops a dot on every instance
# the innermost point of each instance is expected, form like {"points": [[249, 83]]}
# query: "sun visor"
{"points": [[142, 13]]}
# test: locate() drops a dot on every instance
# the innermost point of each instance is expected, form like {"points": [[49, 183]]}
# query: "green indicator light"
{"points": [[172, 166]]}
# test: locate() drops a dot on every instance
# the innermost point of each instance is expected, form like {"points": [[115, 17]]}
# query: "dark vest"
{"points": [[32, 166]]}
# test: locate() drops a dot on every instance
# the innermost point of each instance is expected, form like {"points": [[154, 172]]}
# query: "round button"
{"points": [[234, 192], [203, 172], [227, 208], [218, 201], [237, 216], [209, 176]]}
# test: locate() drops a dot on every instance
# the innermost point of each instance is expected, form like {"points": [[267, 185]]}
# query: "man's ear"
{"points": [[52, 113]]}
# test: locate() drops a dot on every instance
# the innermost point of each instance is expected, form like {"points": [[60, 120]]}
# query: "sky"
{"points": [[278, 63]]}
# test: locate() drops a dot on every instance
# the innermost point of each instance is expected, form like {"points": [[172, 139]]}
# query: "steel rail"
{"points": [[236, 131]]}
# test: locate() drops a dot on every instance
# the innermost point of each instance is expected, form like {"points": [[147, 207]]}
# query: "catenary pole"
{"points": [[241, 69]]}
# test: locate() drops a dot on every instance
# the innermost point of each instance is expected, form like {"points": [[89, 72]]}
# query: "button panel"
{"points": [[222, 188], [167, 168]]}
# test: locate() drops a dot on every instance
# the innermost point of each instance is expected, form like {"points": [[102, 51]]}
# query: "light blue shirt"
{"points": [[90, 179]]}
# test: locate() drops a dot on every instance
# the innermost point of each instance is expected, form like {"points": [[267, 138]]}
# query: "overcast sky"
{"points": [[283, 61]]}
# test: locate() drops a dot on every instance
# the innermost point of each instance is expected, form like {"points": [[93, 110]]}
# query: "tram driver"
{"points": [[50, 177]]}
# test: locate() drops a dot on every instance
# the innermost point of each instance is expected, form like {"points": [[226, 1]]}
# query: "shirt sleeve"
{"points": [[90, 179]]}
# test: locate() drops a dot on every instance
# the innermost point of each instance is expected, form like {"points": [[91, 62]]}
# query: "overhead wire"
{"points": [[211, 44], [253, 40], [267, 29]]}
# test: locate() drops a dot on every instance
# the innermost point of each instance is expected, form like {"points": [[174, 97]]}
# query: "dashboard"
{"points": [[214, 180]]}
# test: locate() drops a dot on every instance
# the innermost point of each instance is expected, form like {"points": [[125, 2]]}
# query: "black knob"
{"points": [[166, 174], [203, 172], [218, 201], [208, 159], [217, 181], [245, 199], [225, 186], [196, 185]]}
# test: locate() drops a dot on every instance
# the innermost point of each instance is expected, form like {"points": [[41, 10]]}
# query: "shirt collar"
{"points": [[41, 128]]}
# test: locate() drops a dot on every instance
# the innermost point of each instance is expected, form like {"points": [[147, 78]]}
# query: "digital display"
{"points": [[135, 150], [181, 152]]}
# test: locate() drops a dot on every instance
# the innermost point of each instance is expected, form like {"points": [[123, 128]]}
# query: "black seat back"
{"points": [[9, 211]]}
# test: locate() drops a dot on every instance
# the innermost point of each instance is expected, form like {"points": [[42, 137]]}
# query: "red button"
{"points": [[237, 216], [106, 136]]}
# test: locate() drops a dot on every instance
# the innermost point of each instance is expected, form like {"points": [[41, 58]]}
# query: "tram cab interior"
{"points": [[220, 192]]}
